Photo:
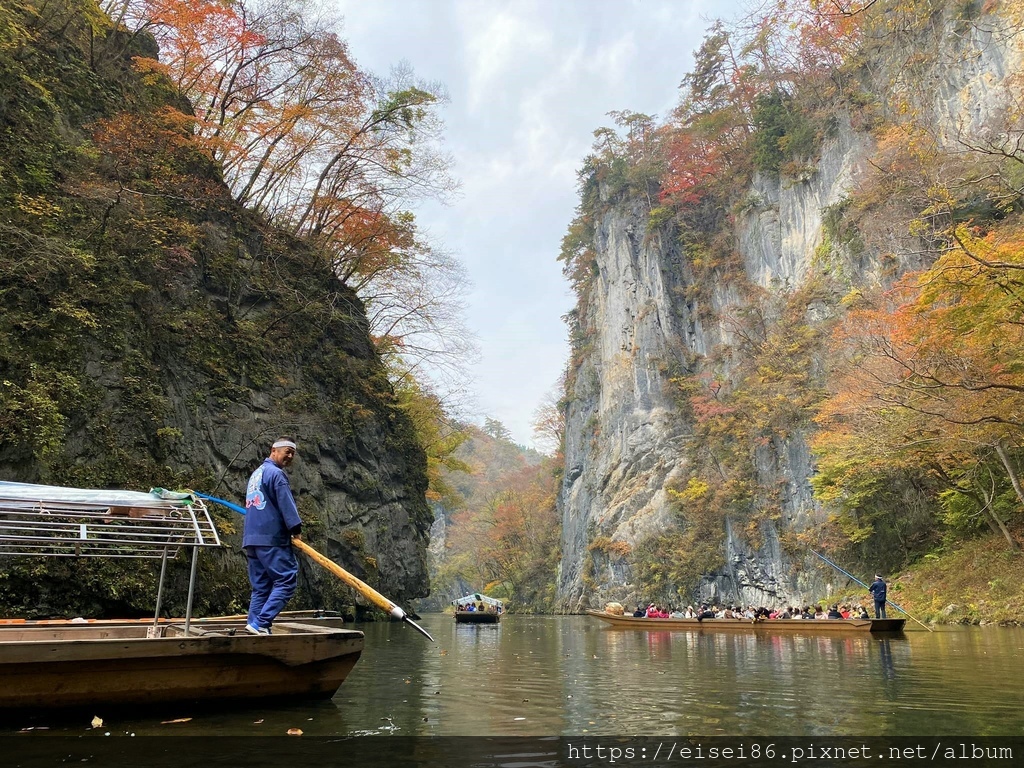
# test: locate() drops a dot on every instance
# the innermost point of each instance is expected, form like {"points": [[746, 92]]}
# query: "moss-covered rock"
{"points": [[153, 333]]}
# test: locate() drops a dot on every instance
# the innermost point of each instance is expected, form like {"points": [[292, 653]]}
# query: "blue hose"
{"points": [[215, 500]]}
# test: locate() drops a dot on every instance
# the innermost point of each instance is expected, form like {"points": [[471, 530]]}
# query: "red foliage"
{"points": [[693, 162]]}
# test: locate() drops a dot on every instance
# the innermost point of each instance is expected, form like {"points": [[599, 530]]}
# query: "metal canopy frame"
{"points": [[52, 521]]}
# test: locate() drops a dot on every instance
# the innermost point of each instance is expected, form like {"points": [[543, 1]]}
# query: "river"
{"points": [[572, 675]]}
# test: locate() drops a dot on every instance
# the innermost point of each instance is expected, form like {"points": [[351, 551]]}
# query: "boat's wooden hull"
{"points": [[476, 617], [806, 626], [104, 666], [314, 617]]}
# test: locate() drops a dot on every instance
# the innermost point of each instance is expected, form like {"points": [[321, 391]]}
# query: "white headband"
{"points": [[284, 444]]}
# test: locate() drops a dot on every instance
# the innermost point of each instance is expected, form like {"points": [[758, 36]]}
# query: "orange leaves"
{"points": [[707, 408], [933, 374], [508, 532], [317, 146], [155, 154], [693, 163]]}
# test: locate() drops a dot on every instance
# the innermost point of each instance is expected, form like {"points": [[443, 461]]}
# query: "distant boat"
{"points": [[84, 664], [485, 610], [807, 626]]}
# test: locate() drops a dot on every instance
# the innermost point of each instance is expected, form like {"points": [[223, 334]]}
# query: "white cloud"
{"points": [[529, 82]]}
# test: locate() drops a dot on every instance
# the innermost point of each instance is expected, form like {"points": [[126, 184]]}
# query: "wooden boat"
{"points": [[807, 626], [491, 612], [102, 666], [109, 663], [476, 617], [314, 616]]}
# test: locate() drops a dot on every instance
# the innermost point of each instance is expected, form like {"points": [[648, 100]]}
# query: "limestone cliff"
{"points": [[642, 322]]}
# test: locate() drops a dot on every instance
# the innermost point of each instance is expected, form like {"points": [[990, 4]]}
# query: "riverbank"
{"points": [[977, 582]]}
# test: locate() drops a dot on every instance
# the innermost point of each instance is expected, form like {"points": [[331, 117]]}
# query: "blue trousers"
{"points": [[880, 609], [273, 574]]}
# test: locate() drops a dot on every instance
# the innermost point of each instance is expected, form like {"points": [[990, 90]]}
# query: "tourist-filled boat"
{"points": [[807, 626], [108, 663], [478, 609]]}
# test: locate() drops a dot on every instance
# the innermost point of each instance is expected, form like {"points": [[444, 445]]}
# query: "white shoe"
{"points": [[256, 630]]}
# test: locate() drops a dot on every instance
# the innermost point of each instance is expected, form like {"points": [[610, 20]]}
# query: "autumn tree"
{"points": [[437, 432], [324, 150], [549, 420], [929, 378], [514, 536], [934, 376], [503, 535]]}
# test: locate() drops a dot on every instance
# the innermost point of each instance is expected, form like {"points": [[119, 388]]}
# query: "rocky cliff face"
{"points": [[625, 435], [153, 333]]}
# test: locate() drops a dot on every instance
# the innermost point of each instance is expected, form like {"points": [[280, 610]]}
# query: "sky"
{"points": [[528, 82]]}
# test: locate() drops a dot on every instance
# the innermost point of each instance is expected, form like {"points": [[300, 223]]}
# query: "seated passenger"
{"points": [[863, 613], [652, 611], [639, 612], [819, 612], [833, 612]]}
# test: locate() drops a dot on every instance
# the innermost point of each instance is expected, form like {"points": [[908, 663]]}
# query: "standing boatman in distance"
{"points": [[877, 590], [271, 520]]}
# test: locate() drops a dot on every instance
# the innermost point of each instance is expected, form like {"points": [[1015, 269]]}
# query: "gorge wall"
{"points": [[155, 333], [626, 435]]}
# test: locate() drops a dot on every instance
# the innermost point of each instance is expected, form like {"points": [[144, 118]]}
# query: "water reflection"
{"points": [[885, 655], [572, 675]]}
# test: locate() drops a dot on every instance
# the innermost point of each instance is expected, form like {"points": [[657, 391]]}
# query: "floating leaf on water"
{"points": [[97, 722], [294, 731], [518, 718], [179, 720], [257, 722]]}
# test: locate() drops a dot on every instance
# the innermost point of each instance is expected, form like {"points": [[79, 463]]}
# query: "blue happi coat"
{"points": [[270, 513]]}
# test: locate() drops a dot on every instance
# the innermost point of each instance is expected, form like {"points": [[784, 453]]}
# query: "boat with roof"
{"points": [[478, 608], [112, 663]]}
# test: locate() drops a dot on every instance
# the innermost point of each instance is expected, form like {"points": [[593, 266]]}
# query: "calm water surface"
{"points": [[571, 675]]}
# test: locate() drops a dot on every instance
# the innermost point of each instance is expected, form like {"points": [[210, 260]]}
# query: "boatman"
{"points": [[877, 590], [271, 520]]}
